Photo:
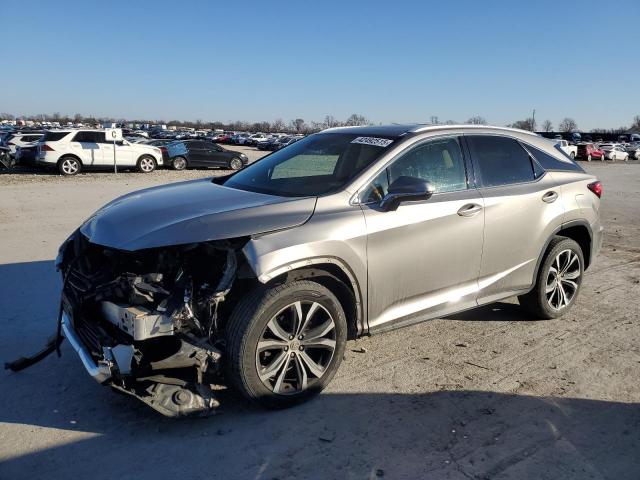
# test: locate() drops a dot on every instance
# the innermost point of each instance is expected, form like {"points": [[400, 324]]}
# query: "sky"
{"points": [[389, 61]]}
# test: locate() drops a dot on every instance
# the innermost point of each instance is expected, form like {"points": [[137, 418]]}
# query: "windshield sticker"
{"points": [[378, 142]]}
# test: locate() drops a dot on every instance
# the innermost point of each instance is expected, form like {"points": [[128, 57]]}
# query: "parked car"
{"points": [[6, 159], [569, 149], [71, 151], [203, 154], [633, 149], [253, 140], [262, 275], [589, 151], [17, 139], [239, 139], [614, 151], [26, 154], [285, 142], [268, 144]]}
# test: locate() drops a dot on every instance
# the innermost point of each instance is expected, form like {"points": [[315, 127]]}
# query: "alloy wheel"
{"points": [[146, 164], [236, 164], [70, 166], [296, 347], [563, 279]]}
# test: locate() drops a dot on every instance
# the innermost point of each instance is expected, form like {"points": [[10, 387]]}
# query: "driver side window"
{"points": [[439, 161]]}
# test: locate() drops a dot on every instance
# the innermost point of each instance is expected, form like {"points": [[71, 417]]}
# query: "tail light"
{"points": [[596, 188], [46, 148]]}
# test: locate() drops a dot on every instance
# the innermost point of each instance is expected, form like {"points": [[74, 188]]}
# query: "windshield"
{"points": [[316, 165]]}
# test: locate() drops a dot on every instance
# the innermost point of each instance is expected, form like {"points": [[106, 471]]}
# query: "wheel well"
{"points": [[332, 277], [146, 155], [580, 234]]}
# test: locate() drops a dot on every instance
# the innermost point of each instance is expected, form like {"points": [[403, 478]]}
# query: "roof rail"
{"points": [[427, 128]]}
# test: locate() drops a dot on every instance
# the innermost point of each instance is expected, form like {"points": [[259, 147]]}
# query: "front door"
{"points": [[424, 257]]}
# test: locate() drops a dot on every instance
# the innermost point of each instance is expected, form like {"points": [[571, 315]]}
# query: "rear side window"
{"points": [[501, 160], [90, 137], [549, 162], [54, 136]]}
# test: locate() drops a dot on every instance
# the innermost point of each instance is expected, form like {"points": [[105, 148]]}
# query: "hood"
{"points": [[191, 212]]}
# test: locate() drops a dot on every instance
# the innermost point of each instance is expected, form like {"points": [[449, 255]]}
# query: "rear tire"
{"points": [[558, 281], [589, 158], [572, 155], [69, 166], [285, 343], [146, 164], [179, 163]]}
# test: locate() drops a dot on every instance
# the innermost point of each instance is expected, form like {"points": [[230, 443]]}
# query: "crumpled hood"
{"points": [[191, 212]]}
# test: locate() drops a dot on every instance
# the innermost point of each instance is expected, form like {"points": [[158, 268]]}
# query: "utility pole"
{"points": [[533, 120]]}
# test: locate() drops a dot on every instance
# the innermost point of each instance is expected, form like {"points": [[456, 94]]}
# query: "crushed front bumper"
{"points": [[101, 372]]}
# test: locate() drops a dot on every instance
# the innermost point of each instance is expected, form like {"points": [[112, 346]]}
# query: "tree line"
{"points": [[299, 125]]}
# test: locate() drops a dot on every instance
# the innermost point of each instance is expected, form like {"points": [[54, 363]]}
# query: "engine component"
{"points": [[139, 322]]}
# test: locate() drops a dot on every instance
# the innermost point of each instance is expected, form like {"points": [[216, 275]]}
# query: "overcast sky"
{"points": [[389, 61]]}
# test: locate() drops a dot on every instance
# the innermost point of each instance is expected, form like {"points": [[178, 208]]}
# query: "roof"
{"points": [[396, 130]]}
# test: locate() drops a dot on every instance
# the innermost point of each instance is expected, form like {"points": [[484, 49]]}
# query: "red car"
{"points": [[589, 152]]}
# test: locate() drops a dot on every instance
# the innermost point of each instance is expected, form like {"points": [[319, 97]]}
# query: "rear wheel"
{"points": [[558, 281], [179, 163], [589, 158], [69, 166], [572, 155], [236, 163], [146, 164], [285, 343]]}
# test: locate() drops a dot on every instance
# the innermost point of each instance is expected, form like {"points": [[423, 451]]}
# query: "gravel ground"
{"points": [[484, 394]]}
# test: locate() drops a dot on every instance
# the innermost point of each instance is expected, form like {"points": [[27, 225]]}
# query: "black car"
{"points": [[203, 154]]}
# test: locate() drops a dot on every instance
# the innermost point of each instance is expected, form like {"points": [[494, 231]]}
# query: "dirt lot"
{"points": [[484, 394]]}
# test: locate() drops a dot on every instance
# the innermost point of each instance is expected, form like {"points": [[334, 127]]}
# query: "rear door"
{"points": [[198, 153], [86, 145], [522, 208]]}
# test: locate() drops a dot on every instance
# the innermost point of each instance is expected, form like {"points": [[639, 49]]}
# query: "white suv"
{"points": [[73, 150], [20, 139]]}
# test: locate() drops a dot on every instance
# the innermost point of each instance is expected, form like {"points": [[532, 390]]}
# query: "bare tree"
{"points": [[547, 126], [526, 124], [278, 125], [636, 123], [355, 120], [434, 120], [477, 120], [298, 125], [331, 122], [568, 125]]}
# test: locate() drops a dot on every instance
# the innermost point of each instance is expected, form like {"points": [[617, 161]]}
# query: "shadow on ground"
{"points": [[57, 423]]}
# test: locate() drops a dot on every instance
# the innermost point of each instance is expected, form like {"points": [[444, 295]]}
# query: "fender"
{"points": [[342, 265]]}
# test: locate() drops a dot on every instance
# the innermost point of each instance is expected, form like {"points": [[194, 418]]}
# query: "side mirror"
{"points": [[406, 189]]}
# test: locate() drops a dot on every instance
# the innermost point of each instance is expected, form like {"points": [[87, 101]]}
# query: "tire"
{"points": [[572, 155], [589, 158], [281, 369], [236, 163], [179, 163], [546, 300], [146, 164], [69, 166]]}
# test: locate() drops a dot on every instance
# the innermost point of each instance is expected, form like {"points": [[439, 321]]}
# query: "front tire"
{"points": [[146, 164], [589, 158], [558, 281], [69, 166], [285, 343]]}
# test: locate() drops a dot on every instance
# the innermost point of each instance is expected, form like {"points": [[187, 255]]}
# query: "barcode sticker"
{"points": [[378, 142]]}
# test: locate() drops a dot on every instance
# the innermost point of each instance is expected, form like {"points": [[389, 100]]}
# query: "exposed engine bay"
{"points": [[153, 320]]}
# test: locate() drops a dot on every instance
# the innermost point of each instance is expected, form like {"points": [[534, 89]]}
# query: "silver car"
{"points": [[259, 278]]}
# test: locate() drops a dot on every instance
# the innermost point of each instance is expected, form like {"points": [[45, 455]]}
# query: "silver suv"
{"points": [[259, 278]]}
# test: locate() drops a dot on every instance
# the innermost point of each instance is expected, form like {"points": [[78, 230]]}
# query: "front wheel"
{"points": [[558, 281], [589, 158], [236, 163], [146, 164], [285, 343]]}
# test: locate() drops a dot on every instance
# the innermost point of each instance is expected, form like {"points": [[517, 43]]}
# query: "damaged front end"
{"points": [[150, 323]]}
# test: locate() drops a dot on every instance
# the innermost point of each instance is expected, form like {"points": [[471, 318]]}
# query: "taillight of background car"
{"points": [[596, 188]]}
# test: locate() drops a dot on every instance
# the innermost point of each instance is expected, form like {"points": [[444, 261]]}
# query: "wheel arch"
{"points": [[335, 275], [67, 155], [578, 231]]}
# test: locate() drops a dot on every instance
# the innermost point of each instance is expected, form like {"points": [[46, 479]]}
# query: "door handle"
{"points": [[469, 210], [550, 197]]}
